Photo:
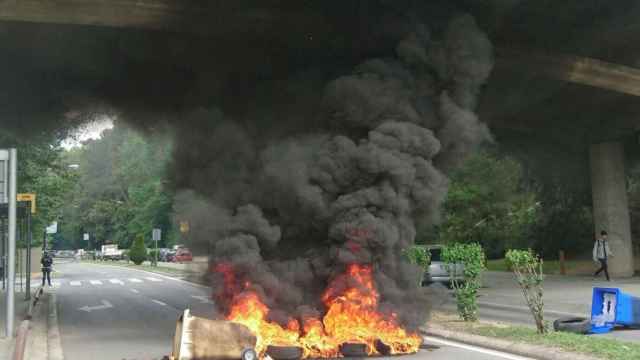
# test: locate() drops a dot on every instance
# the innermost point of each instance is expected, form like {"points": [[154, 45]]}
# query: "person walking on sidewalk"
{"points": [[47, 264], [601, 253]]}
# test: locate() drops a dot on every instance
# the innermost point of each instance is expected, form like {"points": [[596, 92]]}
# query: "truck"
{"points": [[111, 252]]}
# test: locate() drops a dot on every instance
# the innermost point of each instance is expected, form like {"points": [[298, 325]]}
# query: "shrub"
{"points": [[138, 251], [472, 257], [527, 268], [418, 255], [152, 255]]}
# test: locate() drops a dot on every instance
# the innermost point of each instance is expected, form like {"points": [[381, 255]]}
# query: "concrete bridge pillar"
{"points": [[610, 204]]}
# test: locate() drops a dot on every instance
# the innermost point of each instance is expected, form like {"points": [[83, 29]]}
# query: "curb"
{"points": [[515, 348], [54, 346]]}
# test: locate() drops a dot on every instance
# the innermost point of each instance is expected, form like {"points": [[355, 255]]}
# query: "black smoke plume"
{"points": [[343, 180]]}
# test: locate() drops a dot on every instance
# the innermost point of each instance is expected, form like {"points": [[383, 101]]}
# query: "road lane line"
{"points": [[134, 291], [75, 283], [134, 280], [54, 342], [187, 282], [158, 302], [475, 349], [203, 299], [153, 279], [116, 281], [95, 282]]}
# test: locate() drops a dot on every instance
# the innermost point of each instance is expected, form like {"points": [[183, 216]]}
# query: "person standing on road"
{"points": [[47, 264], [601, 253]]}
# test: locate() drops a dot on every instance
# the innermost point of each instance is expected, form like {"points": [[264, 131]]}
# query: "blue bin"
{"points": [[611, 307]]}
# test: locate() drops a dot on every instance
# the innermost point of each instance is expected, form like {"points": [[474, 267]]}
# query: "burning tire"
{"points": [[353, 350], [284, 352], [577, 325]]}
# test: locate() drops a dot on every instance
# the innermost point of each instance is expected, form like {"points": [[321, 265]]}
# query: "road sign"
{"points": [[184, 227], [86, 237], [4, 176], [53, 228], [28, 198], [157, 235]]}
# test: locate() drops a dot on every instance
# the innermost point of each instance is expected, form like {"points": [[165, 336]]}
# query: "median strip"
{"points": [[527, 342]]}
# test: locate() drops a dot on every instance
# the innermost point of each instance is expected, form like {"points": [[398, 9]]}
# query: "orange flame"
{"points": [[352, 316]]}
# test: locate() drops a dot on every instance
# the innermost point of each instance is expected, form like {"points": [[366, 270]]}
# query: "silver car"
{"points": [[437, 271]]}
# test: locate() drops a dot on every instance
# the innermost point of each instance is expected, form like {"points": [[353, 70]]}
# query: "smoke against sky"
{"points": [[91, 130]]}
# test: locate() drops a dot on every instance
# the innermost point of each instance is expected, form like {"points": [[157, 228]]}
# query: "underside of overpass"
{"points": [[565, 85]]}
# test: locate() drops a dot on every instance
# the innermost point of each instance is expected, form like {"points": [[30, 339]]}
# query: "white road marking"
{"points": [[134, 291], [134, 280], [203, 299], [105, 305], [95, 282], [75, 283], [158, 302], [116, 281], [153, 279], [475, 349]]}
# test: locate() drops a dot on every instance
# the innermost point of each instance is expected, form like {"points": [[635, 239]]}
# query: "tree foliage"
{"points": [[486, 204], [138, 251], [119, 191]]}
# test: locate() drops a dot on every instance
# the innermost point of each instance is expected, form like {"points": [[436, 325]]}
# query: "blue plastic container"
{"points": [[611, 307]]}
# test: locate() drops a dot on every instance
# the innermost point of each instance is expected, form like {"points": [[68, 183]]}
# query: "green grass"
{"points": [[588, 344], [573, 267]]}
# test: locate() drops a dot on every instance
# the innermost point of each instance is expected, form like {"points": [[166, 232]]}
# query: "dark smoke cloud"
{"points": [[290, 208], [300, 170]]}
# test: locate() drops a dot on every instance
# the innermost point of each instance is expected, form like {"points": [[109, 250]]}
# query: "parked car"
{"points": [[438, 271], [162, 254], [183, 255]]}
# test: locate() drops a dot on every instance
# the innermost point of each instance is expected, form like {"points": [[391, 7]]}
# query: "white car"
{"points": [[438, 271]]}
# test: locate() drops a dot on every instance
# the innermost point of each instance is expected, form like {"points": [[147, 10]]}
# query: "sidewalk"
{"points": [[21, 308]]}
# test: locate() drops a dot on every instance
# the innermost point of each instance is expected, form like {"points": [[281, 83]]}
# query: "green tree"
{"points": [[138, 251], [486, 204], [120, 190]]}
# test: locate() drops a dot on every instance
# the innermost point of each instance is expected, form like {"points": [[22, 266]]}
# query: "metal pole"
{"points": [[11, 260], [28, 266]]}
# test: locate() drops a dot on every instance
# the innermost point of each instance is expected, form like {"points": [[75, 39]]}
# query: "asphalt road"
{"points": [[106, 312]]}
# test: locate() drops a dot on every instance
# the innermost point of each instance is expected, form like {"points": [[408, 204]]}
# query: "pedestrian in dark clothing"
{"points": [[47, 264], [601, 253]]}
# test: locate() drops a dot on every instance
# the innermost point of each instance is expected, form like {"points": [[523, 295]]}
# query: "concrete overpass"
{"points": [[273, 23]]}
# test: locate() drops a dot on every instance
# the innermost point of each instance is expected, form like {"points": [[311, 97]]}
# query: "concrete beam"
{"points": [[575, 69], [209, 18], [610, 204]]}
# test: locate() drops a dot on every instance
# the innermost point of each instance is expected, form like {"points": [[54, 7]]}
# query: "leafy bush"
{"points": [[418, 255], [153, 255], [472, 257], [527, 268], [138, 251]]}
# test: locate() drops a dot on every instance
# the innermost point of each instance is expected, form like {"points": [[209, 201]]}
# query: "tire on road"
{"points": [[576, 325]]}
